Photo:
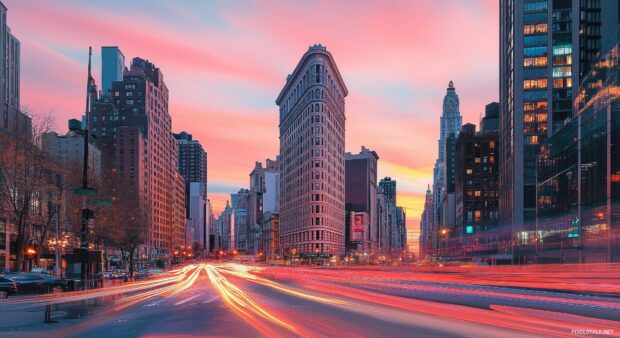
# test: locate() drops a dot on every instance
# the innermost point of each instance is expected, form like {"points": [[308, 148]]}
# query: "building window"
{"points": [[534, 51], [535, 6], [562, 49], [540, 61], [535, 84], [562, 71], [535, 29]]}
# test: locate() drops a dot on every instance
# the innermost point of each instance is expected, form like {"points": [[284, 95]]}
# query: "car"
{"points": [[37, 283], [38, 270], [7, 287]]}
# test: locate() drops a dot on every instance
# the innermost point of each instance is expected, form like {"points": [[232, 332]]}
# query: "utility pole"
{"points": [[86, 212]]}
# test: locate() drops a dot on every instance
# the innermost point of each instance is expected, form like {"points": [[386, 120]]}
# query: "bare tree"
{"points": [[23, 175], [124, 225]]}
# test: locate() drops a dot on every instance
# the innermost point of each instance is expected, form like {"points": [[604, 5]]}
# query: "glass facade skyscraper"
{"points": [[545, 48]]}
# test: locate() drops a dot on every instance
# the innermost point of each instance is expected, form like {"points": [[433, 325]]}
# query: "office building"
{"points": [[361, 195], [545, 49], [476, 194], [193, 168], [578, 210], [312, 135]]}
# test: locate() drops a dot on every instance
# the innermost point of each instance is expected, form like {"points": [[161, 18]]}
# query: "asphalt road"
{"points": [[240, 301]]}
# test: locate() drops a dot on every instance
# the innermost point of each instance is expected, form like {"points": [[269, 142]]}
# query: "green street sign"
{"points": [[84, 191], [100, 203]]}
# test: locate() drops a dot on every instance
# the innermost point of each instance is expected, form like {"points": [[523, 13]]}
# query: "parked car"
{"points": [[7, 287], [37, 283], [38, 270]]}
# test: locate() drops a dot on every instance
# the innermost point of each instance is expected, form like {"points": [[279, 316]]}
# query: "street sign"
{"points": [[100, 203], [84, 191]]}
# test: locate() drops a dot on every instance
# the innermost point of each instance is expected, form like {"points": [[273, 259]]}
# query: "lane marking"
{"points": [[188, 299], [155, 303], [210, 300]]}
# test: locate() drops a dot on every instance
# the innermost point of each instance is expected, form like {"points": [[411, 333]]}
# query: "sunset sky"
{"points": [[225, 62]]}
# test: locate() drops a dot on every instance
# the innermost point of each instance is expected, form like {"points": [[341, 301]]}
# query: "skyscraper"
{"points": [[389, 189], [192, 159], [11, 118], [450, 124], [112, 67], [312, 129], [426, 221], [545, 48], [132, 128], [193, 168]]}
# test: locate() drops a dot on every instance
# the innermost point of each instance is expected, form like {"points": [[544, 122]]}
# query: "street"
{"points": [[237, 300]]}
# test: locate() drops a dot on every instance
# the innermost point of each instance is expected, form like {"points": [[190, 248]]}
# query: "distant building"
{"points": [[196, 204], [312, 135], [239, 222], [490, 121], [386, 219], [193, 168], [192, 159], [426, 221], [399, 233], [264, 196], [112, 68], [270, 235], [389, 189], [451, 121], [361, 196]]}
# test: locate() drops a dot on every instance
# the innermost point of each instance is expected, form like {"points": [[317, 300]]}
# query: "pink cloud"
{"points": [[379, 47]]}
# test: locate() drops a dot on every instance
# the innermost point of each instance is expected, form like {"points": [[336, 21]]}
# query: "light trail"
{"points": [[166, 280], [166, 291], [383, 306], [244, 306]]}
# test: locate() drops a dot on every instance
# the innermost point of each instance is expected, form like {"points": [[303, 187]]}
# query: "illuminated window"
{"points": [[541, 117], [535, 84], [528, 118], [477, 193], [477, 215], [540, 61], [562, 60], [566, 82], [562, 71], [469, 229], [477, 160], [535, 29], [491, 144], [562, 49], [532, 139], [532, 106], [469, 171]]}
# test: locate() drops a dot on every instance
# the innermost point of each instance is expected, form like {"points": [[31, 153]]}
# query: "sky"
{"points": [[225, 62]]}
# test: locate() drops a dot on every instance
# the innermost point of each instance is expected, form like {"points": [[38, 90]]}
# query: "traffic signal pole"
{"points": [[86, 213]]}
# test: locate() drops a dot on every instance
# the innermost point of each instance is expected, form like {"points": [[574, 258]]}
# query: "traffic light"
{"points": [[87, 214]]}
